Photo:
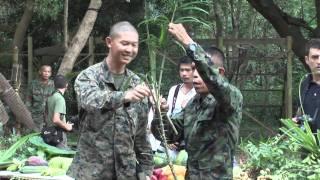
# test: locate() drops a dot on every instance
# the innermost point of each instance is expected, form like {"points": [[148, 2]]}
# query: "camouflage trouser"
{"points": [[38, 121], [197, 174]]}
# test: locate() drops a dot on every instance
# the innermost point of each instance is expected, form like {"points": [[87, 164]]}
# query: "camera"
{"points": [[302, 118]]}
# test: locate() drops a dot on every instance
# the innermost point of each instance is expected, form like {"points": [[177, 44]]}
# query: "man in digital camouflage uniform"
{"points": [[210, 122], [38, 92], [113, 143]]}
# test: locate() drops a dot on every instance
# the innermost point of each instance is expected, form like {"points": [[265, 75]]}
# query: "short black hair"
{"points": [[312, 43], [60, 81], [217, 54], [185, 60]]}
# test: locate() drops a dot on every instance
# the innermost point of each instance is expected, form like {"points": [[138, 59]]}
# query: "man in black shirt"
{"points": [[309, 97]]}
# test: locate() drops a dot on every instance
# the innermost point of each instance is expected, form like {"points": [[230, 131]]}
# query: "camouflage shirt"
{"points": [[37, 96], [209, 124], [113, 139]]}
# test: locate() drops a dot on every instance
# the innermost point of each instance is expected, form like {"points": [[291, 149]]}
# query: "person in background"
{"points": [[309, 97], [113, 143], [179, 95], [56, 110], [38, 92]]}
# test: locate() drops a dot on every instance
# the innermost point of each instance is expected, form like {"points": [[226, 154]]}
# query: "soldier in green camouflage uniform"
{"points": [[38, 92], [113, 143], [210, 122]]}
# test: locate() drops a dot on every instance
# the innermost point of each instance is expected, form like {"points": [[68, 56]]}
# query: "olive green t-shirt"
{"points": [[118, 80], [56, 104]]}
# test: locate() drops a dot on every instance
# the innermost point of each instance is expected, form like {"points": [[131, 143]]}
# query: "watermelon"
{"points": [[182, 158]]}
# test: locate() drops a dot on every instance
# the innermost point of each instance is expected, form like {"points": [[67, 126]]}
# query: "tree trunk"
{"points": [[3, 115], [22, 27], [285, 24], [216, 16], [16, 105], [81, 37], [65, 23]]}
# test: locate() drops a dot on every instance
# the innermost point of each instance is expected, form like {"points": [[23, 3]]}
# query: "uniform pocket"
{"points": [[204, 130], [96, 120], [133, 118]]}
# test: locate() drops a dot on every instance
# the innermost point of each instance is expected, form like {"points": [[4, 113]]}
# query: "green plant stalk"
{"points": [[161, 121], [11, 151], [173, 13], [152, 55], [157, 108], [164, 139], [300, 83]]}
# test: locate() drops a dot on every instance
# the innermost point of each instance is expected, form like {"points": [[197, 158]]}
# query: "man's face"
{"points": [[45, 73], [313, 60], [186, 73], [123, 47], [198, 84]]}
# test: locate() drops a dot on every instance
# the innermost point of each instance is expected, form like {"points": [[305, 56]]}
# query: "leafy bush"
{"points": [[293, 155]]}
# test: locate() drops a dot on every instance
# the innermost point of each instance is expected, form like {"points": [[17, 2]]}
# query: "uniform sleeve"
{"points": [[142, 145], [90, 96], [227, 96], [29, 96]]}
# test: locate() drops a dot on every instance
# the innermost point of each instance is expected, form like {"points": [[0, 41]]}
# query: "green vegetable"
{"points": [[60, 162], [13, 167], [11, 151], [182, 158], [159, 159], [4, 165], [54, 172], [33, 169]]}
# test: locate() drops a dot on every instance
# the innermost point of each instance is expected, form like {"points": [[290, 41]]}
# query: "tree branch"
{"points": [[80, 39], [23, 25], [284, 24]]}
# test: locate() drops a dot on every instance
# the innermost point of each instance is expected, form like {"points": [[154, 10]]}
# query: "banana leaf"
{"points": [[51, 150], [6, 155]]}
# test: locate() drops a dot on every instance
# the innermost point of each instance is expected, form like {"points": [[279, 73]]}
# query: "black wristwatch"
{"points": [[192, 46], [191, 49]]}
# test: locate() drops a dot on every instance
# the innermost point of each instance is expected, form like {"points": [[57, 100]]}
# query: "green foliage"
{"points": [[271, 154], [178, 11], [294, 155], [6, 155], [51, 150], [303, 137], [49, 9]]}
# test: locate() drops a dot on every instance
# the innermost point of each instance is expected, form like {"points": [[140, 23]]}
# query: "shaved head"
{"points": [[123, 26], [43, 67], [216, 55]]}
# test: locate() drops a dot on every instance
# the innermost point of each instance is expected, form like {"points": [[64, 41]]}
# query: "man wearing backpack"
{"points": [[180, 94]]}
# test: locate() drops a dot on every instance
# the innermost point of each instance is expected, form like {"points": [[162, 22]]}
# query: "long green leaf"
{"points": [[11, 151], [191, 19], [195, 9], [305, 139], [193, 4]]}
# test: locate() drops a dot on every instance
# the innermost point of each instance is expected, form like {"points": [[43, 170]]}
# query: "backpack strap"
{"points": [[45, 114], [175, 95]]}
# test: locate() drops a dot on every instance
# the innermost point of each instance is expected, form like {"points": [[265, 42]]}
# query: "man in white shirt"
{"points": [[178, 97], [180, 94]]}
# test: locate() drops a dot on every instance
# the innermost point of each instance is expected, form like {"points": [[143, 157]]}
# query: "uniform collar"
{"points": [[108, 76]]}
